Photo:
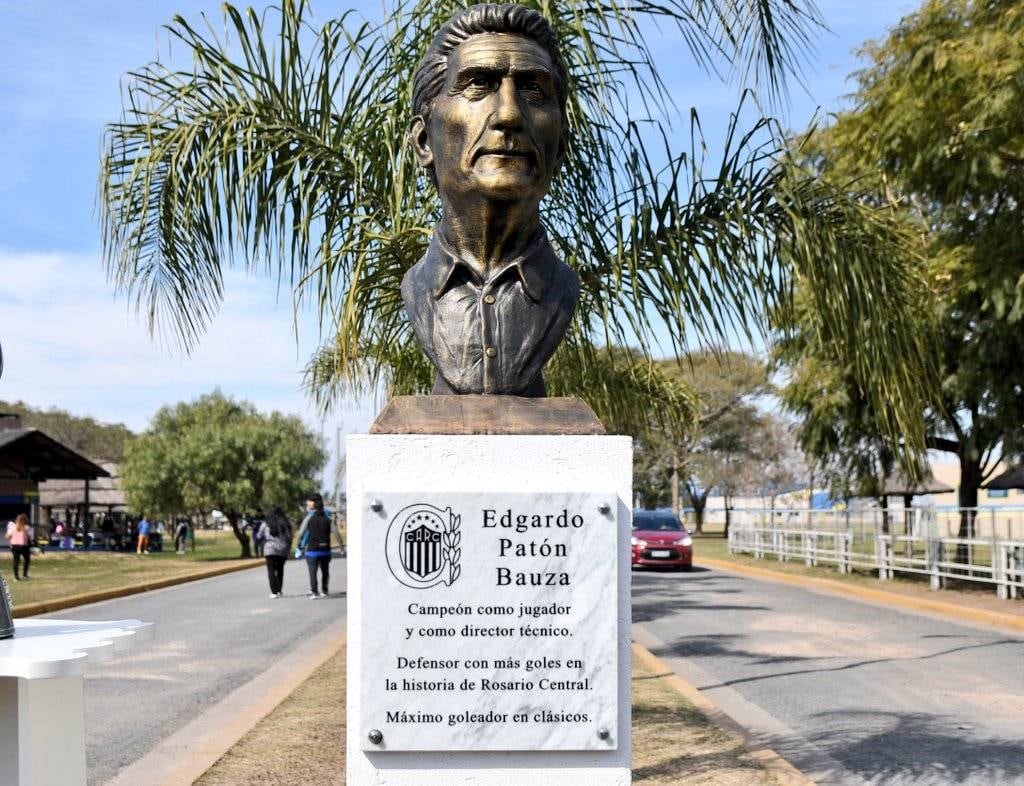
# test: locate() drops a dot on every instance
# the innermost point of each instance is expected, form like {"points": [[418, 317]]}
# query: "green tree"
{"points": [[668, 457], [279, 148], [86, 435], [741, 454], [934, 136], [218, 453]]}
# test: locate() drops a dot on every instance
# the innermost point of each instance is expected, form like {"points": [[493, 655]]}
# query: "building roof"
{"points": [[899, 485], [104, 492], [28, 453], [1011, 479]]}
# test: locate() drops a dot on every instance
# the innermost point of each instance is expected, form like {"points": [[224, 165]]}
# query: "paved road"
{"points": [[850, 692], [211, 637]]}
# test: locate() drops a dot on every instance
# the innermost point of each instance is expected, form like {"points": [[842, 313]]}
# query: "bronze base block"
{"points": [[486, 415]]}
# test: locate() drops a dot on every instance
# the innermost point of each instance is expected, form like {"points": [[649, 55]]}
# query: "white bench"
{"points": [[42, 721]]}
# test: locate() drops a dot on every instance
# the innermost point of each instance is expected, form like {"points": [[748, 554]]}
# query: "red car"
{"points": [[660, 540]]}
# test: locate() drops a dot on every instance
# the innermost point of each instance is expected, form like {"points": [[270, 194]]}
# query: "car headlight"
{"points": [[686, 541], [638, 542]]}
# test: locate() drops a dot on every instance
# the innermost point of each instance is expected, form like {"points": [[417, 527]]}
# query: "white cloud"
{"points": [[69, 342]]}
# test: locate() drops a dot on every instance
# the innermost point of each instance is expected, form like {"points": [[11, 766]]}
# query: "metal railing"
{"points": [[906, 542]]}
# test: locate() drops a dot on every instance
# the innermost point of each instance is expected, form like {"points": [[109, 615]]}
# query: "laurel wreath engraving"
{"points": [[452, 553]]}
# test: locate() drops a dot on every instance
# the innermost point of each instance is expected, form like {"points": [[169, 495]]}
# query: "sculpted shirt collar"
{"points": [[534, 267], [490, 336]]}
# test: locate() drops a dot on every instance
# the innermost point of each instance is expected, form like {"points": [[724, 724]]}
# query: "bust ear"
{"points": [[420, 142], [563, 148]]}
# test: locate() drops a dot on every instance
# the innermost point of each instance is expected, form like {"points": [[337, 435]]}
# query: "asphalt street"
{"points": [[210, 637], [850, 692]]}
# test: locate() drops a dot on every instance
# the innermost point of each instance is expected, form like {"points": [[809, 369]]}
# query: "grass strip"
{"points": [[971, 595], [57, 575]]}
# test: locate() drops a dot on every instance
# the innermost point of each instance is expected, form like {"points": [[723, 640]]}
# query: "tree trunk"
{"points": [[675, 483], [970, 480], [233, 519], [699, 505], [728, 512]]}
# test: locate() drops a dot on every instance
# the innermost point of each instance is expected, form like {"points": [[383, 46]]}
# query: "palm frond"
{"points": [[285, 145]]}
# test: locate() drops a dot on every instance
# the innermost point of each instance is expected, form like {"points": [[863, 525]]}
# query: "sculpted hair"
{"points": [[485, 18]]}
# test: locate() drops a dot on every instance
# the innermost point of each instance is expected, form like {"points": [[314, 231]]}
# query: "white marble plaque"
{"points": [[490, 621]]}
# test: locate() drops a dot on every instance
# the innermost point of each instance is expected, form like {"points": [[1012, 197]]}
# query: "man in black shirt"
{"points": [[317, 529]]}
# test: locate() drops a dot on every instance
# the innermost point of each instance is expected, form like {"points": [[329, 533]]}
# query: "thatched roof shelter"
{"points": [[1011, 479], [104, 493], [899, 485], [29, 454]]}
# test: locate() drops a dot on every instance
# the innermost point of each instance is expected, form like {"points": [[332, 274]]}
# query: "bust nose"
{"points": [[508, 115]]}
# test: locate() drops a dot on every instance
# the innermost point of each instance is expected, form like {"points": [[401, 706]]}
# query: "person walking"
{"points": [[257, 529], [180, 535], [142, 546], [276, 536], [318, 547], [19, 538]]}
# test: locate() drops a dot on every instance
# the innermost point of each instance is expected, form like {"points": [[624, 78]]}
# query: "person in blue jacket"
{"points": [[316, 531]]}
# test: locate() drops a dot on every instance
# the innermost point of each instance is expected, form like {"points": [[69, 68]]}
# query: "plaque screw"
{"points": [[605, 508], [376, 506], [603, 734], [377, 738]]}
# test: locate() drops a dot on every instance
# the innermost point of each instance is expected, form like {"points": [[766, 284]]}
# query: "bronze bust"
{"points": [[489, 302]]}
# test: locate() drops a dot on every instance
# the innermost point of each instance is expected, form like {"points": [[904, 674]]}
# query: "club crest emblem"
{"points": [[422, 546]]}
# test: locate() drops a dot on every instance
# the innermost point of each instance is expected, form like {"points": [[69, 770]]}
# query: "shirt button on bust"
{"points": [[489, 300], [491, 352]]}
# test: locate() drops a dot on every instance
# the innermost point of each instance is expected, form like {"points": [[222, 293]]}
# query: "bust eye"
{"points": [[534, 87], [481, 82]]}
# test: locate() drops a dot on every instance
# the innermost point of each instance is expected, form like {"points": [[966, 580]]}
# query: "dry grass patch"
{"points": [[280, 748], [672, 741]]}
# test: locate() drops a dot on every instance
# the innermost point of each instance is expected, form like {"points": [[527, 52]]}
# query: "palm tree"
{"points": [[282, 150]]}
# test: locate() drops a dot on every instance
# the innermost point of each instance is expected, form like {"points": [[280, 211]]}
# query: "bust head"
{"points": [[489, 101]]}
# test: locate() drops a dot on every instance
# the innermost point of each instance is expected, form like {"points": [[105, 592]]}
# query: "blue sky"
{"points": [[69, 342]]}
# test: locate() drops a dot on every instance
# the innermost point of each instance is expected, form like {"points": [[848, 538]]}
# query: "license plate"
{"points": [[661, 553]]}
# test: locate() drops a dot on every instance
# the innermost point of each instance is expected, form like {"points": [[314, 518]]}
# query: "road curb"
{"points": [[70, 601], [784, 772], [186, 755], [893, 599]]}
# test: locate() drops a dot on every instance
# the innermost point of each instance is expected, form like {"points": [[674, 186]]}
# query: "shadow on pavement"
{"points": [[905, 747], [844, 667]]}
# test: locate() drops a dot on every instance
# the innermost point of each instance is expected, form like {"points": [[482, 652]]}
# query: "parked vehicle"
{"points": [[660, 540]]}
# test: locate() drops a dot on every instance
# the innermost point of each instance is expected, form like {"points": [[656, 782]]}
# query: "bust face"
{"points": [[496, 128]]}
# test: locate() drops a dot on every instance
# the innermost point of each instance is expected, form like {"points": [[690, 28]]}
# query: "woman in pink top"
{"points": [[18, 538]]}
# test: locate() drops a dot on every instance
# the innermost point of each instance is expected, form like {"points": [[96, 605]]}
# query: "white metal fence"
{"points": [[912, 540]]}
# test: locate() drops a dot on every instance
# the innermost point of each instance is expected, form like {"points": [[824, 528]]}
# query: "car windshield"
{"points": [[656, 522]]}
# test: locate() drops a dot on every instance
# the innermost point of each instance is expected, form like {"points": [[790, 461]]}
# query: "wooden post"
{"points": [[87, 520], [999, 568], [934, 552]]}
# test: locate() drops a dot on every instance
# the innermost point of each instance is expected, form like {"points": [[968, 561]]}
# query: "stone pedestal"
{"points": [[428, 534]]}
